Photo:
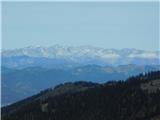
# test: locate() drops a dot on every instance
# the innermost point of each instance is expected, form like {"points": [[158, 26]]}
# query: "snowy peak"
{"points": [[57, 50], [86, 55]]}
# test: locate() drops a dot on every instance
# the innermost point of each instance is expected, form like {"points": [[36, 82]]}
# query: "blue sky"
{"points": [[103, 24]]}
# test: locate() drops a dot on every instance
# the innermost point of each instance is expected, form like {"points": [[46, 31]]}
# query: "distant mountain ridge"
{"points": [[68, 56]]}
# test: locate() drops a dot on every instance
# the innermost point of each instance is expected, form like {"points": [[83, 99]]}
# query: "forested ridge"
{"points": [[137, 98]]}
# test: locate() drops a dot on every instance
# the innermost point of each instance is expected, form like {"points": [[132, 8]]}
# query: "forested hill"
{"points": [[137, 98]]}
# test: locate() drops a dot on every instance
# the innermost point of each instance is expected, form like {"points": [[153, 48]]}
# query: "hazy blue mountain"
{"points": [[20, 83], [26, 61], [69, 57]]}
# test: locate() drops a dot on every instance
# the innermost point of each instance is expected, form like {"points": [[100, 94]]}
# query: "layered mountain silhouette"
{"points": [[26, 71], [18, 84]]}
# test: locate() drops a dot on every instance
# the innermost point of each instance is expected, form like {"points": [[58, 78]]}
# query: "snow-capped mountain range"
{"points": [[69, 55]]}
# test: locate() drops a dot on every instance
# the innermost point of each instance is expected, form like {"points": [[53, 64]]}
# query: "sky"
{"points": [[103, 24]]}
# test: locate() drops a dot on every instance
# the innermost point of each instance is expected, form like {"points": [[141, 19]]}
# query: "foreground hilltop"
{"points": [[137, 98]]}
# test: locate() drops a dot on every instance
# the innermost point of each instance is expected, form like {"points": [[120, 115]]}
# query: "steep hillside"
{"points": [[137, 98]]}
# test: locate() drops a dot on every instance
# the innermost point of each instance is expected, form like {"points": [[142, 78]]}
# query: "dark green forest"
{"points": [[137, 98]]}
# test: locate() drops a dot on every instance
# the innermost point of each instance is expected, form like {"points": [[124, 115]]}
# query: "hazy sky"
{"points": [[103, 24]]}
